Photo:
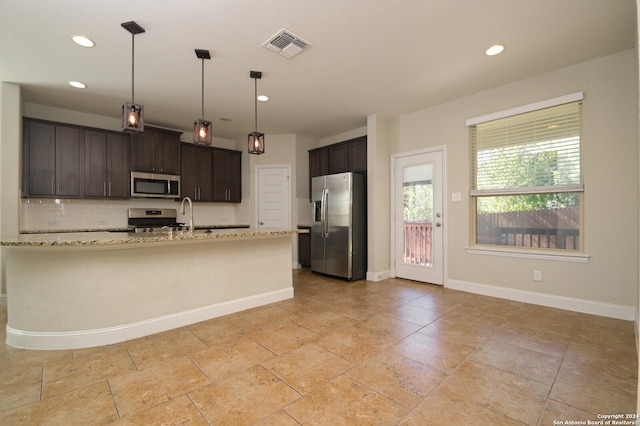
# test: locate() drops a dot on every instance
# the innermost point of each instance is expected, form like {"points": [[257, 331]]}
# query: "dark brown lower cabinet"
{"points": [[304, 250]]}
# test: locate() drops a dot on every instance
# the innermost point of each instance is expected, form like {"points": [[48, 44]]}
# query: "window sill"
{"points": [[529, 254]]}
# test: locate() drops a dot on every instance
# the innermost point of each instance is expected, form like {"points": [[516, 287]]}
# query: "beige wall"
{"points": [[378, 194], [610, 164], [10, 134]]}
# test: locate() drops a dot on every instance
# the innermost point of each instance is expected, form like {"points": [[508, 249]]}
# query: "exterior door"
{"points": [[274, 206], [418, 204]]}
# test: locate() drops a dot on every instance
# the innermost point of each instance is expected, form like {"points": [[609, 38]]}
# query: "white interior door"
{"points": [[418, 227], [274, 197]]}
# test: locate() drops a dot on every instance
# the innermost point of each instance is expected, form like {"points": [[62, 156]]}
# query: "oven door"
{"points": [[152, 185]]}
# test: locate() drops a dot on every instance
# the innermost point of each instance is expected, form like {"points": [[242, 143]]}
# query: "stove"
{"points": [[143, 220]]}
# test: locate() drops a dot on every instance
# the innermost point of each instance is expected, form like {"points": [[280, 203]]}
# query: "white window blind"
{"points": [[532, 152]]}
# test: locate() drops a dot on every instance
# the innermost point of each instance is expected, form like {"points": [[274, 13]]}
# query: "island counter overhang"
{"points": [[68, 291]]}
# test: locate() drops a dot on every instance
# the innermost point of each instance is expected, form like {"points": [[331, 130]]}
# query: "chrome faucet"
{"points": [[190, 212]]}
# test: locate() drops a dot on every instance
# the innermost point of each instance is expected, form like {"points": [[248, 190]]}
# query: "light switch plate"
{"points": [[456, 196]]}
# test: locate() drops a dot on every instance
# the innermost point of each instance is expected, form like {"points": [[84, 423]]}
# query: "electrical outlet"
{"points": [[537, 275]]}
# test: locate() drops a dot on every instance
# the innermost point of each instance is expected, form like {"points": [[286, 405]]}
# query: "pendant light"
{"points": [[256, 140], [132, 113], [201, 127]]}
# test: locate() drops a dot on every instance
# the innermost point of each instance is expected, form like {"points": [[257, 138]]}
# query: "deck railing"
{"points": [[553, 238], [417, 242]]}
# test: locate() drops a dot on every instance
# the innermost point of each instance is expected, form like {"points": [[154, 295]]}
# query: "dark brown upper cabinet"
{"points": [[318, 162], [196, 178], [227, 175], [106, 164], [338, 158], [357, 155], [347, 156], [52, 156], [156, 151]]}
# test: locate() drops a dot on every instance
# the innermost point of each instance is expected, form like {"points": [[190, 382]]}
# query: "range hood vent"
{"points": [[286, 44]]}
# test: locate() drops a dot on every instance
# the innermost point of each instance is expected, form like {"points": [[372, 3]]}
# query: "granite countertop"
{"points": [[125, 229], [107, 239]]}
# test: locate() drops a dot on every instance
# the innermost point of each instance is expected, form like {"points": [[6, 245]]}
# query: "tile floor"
{"points": [[388, 353]]}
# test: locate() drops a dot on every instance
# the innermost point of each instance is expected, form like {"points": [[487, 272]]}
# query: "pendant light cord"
{"points": [[133, 45], [255, 100], [202, 88]]}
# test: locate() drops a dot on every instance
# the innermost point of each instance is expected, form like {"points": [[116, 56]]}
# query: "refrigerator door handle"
{"points": [[325, 213]]}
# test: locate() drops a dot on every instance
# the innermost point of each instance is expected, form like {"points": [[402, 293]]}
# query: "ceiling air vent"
{"points": [[285, 43]]}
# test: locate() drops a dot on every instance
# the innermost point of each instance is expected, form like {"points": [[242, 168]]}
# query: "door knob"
{"points": [[438, 224], [260, 223]]}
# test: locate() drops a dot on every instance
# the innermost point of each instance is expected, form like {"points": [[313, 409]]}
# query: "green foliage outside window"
{"points": [[519, 167], [418, 202]]}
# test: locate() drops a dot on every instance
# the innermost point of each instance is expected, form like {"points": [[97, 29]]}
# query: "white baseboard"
{"points": [[378, 276], [106, 336], [569, 303]]}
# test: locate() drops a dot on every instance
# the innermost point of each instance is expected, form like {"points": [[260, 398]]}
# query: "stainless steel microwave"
{"points": [[155, 185]]}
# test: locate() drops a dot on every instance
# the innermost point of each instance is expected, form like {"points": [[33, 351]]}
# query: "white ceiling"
{"points": [[367, 56]]}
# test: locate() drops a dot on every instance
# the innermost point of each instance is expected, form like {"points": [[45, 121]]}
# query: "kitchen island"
{"points": [[76, 290]]}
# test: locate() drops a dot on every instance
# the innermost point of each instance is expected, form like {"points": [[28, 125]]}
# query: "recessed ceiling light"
{"points": [[496, 49], [78, 84], [263, 98], [82, 41]]}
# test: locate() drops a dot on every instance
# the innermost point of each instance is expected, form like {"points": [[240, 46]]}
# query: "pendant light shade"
{"points": [[256, 139], [202, 129], [132, 113]]}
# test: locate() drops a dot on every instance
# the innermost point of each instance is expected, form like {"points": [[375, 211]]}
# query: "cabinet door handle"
{"points": [[109, 192], [104, 189]]}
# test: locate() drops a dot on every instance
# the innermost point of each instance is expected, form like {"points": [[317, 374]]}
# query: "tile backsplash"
{"points": [[51, 215]]}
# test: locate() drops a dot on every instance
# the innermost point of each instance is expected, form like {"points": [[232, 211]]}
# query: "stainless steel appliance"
{"points": [[149, 221], [339, 229], [155, 185]]}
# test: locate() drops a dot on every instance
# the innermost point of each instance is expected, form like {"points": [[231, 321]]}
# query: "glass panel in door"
{"points": [[417, 214]]}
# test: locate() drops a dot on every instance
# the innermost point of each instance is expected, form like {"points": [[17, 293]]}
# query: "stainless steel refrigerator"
{"points": [[339, 229]]}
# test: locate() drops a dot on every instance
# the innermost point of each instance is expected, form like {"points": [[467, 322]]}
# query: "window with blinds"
{"points": [[526, 178]]}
